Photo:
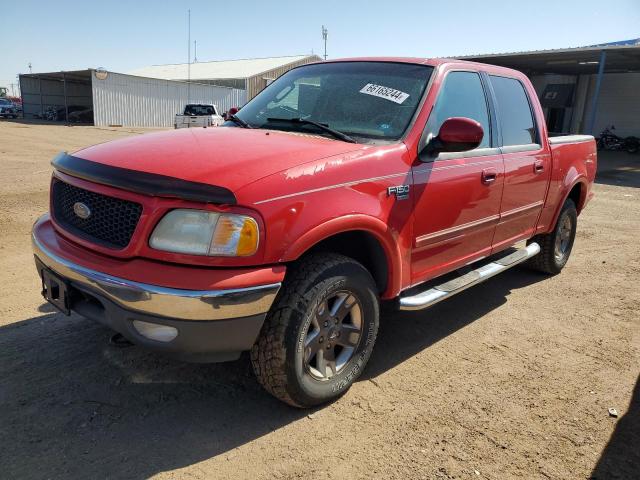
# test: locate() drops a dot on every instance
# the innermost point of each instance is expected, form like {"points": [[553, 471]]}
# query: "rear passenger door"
{"points": [[457, 195], [526, 162]]}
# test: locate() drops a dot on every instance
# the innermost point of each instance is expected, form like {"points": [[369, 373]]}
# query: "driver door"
{"points": [[457, 195]]}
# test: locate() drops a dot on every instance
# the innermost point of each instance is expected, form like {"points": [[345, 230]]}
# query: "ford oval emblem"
{"points": [[81, 210]]}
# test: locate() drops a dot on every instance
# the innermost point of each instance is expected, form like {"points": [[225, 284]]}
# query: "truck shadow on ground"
{"points": [[74, 406], [621, 456]]}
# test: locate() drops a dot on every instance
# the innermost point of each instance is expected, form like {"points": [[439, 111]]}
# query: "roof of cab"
{"points": [[434, 62]]}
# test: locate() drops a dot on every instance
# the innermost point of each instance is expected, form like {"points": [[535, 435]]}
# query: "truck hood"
{"points": [[223, 156]]}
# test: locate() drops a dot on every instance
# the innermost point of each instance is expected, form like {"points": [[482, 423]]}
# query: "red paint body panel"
{"points": [[302, 189]]}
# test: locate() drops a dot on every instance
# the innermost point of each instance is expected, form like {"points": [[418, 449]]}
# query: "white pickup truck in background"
{"points": [[198, 115]]}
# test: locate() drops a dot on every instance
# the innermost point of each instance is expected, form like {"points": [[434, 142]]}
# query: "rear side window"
{"points": [[461, 95], [514, 112]]}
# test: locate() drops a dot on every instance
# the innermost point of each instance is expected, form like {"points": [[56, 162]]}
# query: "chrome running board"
{"points": [[445, 290]]}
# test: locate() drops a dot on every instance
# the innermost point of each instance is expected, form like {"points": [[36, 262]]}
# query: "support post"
{"points": [[40, 94], [66, 107], [596, 93]]}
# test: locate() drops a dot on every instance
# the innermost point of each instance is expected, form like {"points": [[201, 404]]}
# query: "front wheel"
{"points": [[320, 332], [555, 247]]}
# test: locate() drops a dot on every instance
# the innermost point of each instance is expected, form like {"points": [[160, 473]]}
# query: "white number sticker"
{"points": [[384, 92]]}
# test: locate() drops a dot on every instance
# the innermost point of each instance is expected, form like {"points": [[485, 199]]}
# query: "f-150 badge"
{"points": [[400, 191]]}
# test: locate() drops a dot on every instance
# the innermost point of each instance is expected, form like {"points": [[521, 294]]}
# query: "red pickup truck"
{"points": [[341, 185]]}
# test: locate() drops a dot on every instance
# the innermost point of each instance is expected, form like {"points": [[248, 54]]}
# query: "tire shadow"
{"points": [[74, 406]]}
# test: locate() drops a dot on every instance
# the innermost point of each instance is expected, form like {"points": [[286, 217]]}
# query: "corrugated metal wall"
{"points": [[133, 101], [257, 83]]}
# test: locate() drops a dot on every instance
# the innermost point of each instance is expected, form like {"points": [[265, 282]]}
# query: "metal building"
{"points": [[105, 98], [584, 89], [251, 74]]}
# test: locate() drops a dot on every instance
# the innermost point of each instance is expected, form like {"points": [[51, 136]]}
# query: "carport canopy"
{"points": [[614, 57], [55, 89], [570, 61]]}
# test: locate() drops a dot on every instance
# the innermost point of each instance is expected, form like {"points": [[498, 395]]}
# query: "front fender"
{"points": [[376, 227]]}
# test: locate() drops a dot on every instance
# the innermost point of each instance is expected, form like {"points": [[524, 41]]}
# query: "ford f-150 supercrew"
{"points": [[341, 185]]}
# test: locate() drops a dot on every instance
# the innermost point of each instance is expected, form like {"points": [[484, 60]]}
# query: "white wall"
{"points": [[618, 103], [133, 101]]}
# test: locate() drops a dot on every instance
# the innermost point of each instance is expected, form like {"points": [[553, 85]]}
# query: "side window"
{"points": [[461, 95], [514, 112]]}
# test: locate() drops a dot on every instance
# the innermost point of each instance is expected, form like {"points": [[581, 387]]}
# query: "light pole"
{"points": [[189, 60], [325, 32]]}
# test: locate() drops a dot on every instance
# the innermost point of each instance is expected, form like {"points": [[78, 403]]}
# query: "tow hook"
{"points": [[118, 340]]}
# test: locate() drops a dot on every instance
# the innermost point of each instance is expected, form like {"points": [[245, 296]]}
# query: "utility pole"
{"points": [[30, 67], [195, 51], [325, 32], [189, 60]]}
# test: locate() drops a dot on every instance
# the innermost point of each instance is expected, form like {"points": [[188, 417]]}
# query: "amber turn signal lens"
{"points": [[235, 235], [248, 242]]}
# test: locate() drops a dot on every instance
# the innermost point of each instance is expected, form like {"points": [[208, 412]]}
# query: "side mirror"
{"points": [[457, 134]]}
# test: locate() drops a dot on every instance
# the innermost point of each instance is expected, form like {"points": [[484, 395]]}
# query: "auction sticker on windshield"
{"points": [[384, 92]]}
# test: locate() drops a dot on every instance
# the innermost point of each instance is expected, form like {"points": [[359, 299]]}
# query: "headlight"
{"points": [[198, 232]]}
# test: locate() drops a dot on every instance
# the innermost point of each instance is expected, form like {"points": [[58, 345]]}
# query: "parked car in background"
{"points": [[8, 109], [341, 185], [84, 115], [198, 115]]}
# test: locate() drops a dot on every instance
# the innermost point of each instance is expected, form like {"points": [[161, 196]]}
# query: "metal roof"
{"points": [[621, 56], [244, 68]]}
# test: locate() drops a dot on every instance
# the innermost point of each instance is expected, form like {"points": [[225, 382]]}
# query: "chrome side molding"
{"points": [[441, 292]]}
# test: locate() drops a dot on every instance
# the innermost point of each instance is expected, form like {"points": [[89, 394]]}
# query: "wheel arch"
{"points": [[365, 239], [577, 192]]}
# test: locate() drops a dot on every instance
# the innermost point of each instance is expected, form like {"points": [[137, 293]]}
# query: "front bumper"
{"points": [[212, 325]]}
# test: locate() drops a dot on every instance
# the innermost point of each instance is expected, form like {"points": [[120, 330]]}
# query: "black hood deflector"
{"points": [[142, 182]]}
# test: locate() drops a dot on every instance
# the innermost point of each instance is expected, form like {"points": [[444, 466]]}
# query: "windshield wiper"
{"points": [[325, 128], [238, 121]]}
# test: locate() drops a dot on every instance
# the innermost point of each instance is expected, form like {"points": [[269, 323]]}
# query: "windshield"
{"points": [[374, 100], [4, 101]]}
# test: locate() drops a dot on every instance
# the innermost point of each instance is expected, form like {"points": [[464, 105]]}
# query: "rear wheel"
{"points": [[320, 332], [555, 247]]}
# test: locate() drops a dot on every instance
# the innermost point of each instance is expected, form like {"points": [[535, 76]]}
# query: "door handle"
{"points": [[538, 166], [489, 175]]}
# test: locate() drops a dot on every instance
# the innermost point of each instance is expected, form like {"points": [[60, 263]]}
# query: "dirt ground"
{"points": [[511, 379]]}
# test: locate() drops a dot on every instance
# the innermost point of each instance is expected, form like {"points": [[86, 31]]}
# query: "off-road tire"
{"points": [[278, 356], [547, 261]]}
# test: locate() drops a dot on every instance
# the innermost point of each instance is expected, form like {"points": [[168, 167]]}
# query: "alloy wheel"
{"points": [[333, 335]]}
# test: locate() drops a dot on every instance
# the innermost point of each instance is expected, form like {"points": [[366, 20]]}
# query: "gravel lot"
{"points": [[511, 379]]}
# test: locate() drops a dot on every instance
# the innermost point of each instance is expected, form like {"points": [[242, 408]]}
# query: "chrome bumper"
{"points": [[162, 301]]}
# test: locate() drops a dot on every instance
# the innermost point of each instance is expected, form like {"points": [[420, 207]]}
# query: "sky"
{"points": [[118, 35]]}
